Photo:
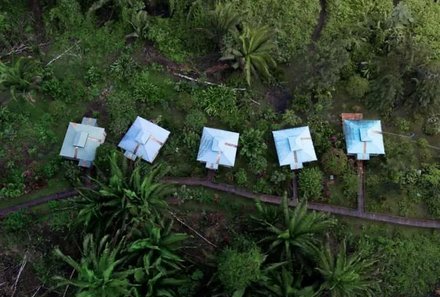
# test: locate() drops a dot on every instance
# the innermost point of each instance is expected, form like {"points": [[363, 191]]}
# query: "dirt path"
{"points": [[314, 206], [361, 186], [344, 211], [57, 196]]}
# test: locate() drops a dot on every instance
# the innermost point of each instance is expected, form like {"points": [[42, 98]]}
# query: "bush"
{"points": [[409, 264], [311, 183], [241, 177], [238, 269], [252, 143], [122, 110], [356, 87], [166, 36], [102, 158], [432, 125], [145, 91], [71, 172], [195, 120], [350, 184], [334, 161], [217, 101], [292, 21], [16, 221]]}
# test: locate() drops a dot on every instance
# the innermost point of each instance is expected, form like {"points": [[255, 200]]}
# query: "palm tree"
{"points": [[154, 252], [297, 235], [345, 276], [252, 52], [19, 76], [223, 18], [124, 198], [98, 272]]}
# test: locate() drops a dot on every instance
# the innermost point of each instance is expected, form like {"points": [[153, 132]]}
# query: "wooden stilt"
{"points": [[294, 188]]}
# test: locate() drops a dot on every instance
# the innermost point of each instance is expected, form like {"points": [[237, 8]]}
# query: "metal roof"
{"points": [[81, 142], [218, 147], [294, 147], [143, 139], [363, 138]]}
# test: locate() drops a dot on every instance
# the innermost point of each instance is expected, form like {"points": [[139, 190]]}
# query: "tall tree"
{"points": [[252, 52]]}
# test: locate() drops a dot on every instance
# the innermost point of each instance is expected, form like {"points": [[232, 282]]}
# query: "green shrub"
{"points": [[334, 161], [253, 144], [124, 67], [93, 75], [217, 101], [145, 91], [350, 184], [311, 183], [195, 120], [426, 15], [409, 264], [357, 87], [425, 152], [238, 269], [241, 177], [290, 118], [122, 110], [292, 21], [16, 221], [102, 158], [166, 36], [71, 172], [431, 126]]}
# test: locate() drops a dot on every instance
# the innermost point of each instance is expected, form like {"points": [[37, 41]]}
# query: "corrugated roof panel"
{"points": [[144, 139], [363, 138], [81, 141], [218, 147], [294, 147]]}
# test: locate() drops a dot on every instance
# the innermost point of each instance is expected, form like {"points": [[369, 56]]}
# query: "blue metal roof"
{"points": [[81, 142], [364, 138], [218, 147], [294, 147], [143, 139]]}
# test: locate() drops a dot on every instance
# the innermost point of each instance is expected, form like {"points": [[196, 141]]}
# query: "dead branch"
{"points": [[192, 229], [20, 271], [67, 287], [18, 49], [204, 81], [36, 292], [62, 54]]}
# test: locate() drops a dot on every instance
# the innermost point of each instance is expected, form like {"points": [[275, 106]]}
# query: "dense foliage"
{"points": [[250, 66]]}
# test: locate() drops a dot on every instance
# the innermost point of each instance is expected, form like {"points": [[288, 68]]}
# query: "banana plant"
{"points": [[99, 272]]}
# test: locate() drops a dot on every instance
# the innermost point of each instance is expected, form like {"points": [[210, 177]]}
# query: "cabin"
{"points": [[218, 147], [294, 147], [82, 140], [143, 139], [363, 138]]}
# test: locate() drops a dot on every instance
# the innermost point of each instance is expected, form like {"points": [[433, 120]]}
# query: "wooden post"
{"points": [[361, 186], [294, 188]]}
